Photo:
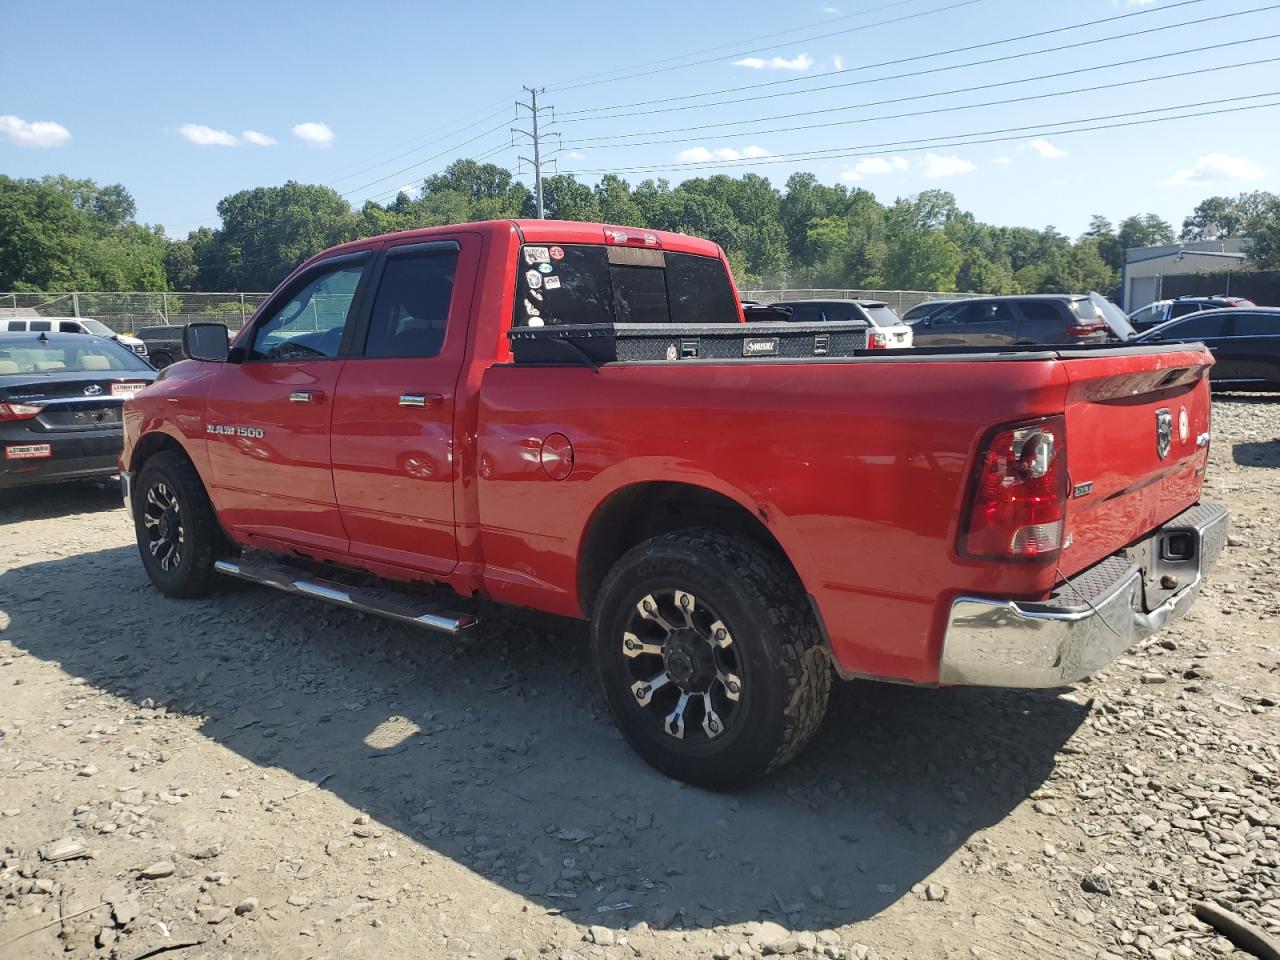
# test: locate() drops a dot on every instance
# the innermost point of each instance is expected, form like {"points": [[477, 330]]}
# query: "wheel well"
{"points": [[646, 510], [150, 445]]}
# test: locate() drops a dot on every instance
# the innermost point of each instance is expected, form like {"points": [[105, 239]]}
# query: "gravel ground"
{"points": [[256, 776]]}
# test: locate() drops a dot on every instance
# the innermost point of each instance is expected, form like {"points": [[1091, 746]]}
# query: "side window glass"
{"points": [[41, 326], [69, 326], [1205, 325], [1257, 325], [1039, 310], [1182, 309], [309, 324], [411, 308], [17, 326], [949, 316]]}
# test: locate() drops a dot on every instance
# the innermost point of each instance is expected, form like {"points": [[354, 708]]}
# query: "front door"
{"points": [[267, 417], [394, 458]]}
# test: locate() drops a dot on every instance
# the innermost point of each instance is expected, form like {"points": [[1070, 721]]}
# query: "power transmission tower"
{"points": [[536, 135]]}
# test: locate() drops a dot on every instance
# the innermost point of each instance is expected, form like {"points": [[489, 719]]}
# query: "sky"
{"points": [[186, 103]]}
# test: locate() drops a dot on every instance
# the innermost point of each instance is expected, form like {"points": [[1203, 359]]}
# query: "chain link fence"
{"points": [[900, 300], [128, 312]]}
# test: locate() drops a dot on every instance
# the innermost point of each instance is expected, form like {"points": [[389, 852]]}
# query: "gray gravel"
{"points": [[255, 776]]}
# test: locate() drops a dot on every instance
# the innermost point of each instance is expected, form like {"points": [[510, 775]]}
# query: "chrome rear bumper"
{"points": [[1091, 618]]}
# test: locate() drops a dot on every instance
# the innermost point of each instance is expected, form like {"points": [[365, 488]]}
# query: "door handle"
{"points": [[306, 396], [429, 401]]}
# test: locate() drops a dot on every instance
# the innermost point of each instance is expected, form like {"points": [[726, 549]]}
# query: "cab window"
{"points": [[309, 324], [69, 326], [411, 308]]}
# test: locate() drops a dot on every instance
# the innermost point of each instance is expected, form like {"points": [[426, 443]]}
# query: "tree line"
{"points": [[59, 233]]}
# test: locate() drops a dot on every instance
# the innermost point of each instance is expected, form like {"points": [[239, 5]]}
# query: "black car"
{"points": [[61, 396], [164, 344], [926, 309], [1244, 341], [1049, 318]]}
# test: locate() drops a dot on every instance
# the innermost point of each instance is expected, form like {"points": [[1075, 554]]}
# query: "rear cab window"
{"points": [[561, 284]]}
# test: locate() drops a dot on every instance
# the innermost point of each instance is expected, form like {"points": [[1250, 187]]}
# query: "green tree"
{"points": [[1144, 230], [1263, 230]]}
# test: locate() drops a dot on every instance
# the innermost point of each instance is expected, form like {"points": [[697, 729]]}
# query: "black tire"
{"points": [[161, 359], [783, 672], [169, 478]]}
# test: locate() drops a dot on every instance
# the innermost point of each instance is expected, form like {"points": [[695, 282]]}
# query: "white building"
{"points": [[1146, 268]]}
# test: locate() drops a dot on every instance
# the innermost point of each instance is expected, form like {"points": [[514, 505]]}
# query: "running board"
{"points": [[394, 604]]}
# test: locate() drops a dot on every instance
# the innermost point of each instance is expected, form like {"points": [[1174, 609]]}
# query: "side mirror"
{"points": [[210, 342]]}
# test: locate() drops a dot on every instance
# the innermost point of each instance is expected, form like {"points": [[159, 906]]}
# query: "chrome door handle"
{"points": [[306, 396], [429, 401]]}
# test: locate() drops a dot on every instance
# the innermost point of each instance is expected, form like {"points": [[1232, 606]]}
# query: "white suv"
{"points": [[87, 325]]}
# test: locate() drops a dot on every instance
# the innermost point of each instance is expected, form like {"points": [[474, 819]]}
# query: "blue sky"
{"points": [[185, 103]]}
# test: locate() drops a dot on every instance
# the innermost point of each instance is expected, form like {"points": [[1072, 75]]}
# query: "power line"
{"points": [[936, 143], [819, 36], [726, 46], [479, 157], [826, 111], [434, 156], [953, 108], [569, 115]]}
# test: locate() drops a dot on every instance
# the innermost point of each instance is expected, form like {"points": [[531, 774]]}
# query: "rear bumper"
{"points": [[72, 456], [1090, 619]]}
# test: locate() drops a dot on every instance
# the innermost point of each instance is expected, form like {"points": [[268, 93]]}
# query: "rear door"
{"points": [[1249, 354], [267, 416], [394, 457], [983, 323]]}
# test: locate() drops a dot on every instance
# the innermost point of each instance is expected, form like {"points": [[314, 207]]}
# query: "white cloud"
{"points": [[1216, 167], [874, 167], [831, 9], [258, 139], [936, 166], [801, 61], [203, 136], [1003, 161], [1045, 149], [838, 62], [33, 133], [1140, 3], [577, 155], [706, 154], [314, 133]]}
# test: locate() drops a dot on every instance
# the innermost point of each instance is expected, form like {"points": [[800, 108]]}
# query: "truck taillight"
{"points": [[633, 238], [877, 341], [19, 411], [1020, 497]]}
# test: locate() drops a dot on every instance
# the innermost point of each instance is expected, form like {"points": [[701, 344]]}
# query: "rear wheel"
{"points": [[160, 359], [709, 657], [178, 535]]}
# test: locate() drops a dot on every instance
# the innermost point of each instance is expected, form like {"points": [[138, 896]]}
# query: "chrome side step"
{"points": [[394, 604]]}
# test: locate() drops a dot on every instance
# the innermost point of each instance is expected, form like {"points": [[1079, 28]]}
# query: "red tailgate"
{"points": [[1124, 479]]}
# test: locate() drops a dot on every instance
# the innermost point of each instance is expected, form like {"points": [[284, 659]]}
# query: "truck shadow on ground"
{"points": [[24, 504], [499, 753]]}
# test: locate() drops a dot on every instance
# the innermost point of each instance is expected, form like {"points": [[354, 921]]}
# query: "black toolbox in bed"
{"points": [[597, 343]]}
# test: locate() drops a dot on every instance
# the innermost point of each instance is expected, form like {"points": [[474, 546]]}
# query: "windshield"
{"points": [[1114, 316], [882, 315], [35, 356], [98, 327]]}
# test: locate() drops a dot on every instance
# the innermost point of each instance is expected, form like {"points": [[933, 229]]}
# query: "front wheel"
{"points": [[709, 657], [178, 535]]}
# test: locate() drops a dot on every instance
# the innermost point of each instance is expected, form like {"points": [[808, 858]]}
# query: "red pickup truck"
{"points": [[737, 530]]}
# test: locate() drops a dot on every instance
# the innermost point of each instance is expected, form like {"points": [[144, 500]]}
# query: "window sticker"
{"points": [[551, 283], [545, 267], [534, 279], [557, 253], [538, 254]]}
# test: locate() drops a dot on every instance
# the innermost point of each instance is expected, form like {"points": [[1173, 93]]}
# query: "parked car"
{"points": [[887, 332], [164, 344], [60, 400], [1008, 321], [765, 313], [1162, 311], [1244, 341], [87, 325], [735, 529], [922, 310]]}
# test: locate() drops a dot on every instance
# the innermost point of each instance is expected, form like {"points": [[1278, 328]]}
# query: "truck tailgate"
{"points": [[1137, 445]]}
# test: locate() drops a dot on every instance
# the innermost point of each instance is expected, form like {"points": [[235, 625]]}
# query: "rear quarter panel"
{"points": [[858, 468]]}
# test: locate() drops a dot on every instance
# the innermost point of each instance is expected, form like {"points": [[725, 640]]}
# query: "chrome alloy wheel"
{"points": [[166, 538], [684, 665]]}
